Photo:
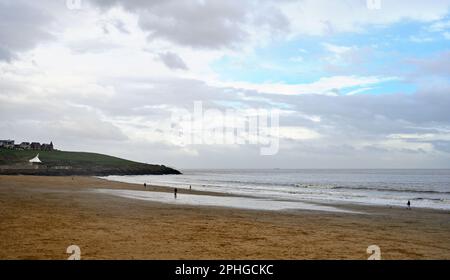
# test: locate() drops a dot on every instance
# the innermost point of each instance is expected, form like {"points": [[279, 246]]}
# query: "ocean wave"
{"points": [[400, 190], [393, 190]]}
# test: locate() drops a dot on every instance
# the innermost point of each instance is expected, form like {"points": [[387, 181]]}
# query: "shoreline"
{"points": [[41, 216], [338, 204]]}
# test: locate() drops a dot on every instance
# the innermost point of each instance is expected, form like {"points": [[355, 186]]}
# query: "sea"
{"points": [[425, 188]]}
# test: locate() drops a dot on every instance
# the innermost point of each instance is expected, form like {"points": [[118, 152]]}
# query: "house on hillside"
{"points": [[25, 145], [7, 144], [47, 147], [35, 146]]}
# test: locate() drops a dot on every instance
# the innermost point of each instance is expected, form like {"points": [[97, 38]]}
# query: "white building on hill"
{"points": [[35, 159]]}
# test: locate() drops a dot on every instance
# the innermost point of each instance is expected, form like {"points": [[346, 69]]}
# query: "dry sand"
{"points": [[41, 216]]}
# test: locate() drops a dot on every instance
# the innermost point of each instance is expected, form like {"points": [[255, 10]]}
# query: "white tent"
{"points": [[35, 159]]}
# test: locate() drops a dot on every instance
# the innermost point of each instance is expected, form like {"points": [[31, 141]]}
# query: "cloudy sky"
{"points": [[356, 87]]}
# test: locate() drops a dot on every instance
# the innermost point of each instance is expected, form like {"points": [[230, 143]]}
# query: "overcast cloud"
{"points": [[352, 88]]}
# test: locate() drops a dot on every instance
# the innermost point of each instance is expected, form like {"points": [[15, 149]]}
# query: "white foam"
{"points": [[222, 201]]}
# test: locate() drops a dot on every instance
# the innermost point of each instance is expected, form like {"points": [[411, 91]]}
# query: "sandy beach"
{"points": [[41, 216]]}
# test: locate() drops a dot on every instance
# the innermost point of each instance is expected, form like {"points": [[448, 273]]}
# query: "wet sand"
{"points": [[41, 216]]}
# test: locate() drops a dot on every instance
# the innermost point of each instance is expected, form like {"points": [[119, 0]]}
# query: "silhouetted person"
{"points": [[190, 187], [145, 185], [175, 191], [409, 204]]}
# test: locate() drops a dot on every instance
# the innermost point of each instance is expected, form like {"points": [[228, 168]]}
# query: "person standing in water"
{"points": [[409, 204], [175, 191]]}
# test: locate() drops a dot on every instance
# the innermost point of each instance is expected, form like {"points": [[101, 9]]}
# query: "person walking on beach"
{"points": [[145, 185], [175, 191], [409, 204], [190, 187]]}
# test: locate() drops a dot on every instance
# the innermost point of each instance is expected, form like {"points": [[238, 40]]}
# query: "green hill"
{"points": [[74, 163]]}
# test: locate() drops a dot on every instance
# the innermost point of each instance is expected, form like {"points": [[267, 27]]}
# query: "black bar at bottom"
{"points": [[226, 270]]}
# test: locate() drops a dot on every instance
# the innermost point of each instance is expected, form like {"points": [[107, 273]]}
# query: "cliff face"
{"points": [[59, 163]]}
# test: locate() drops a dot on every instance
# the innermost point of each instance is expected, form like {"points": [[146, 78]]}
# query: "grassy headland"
{"points": [[61, 163]]}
